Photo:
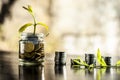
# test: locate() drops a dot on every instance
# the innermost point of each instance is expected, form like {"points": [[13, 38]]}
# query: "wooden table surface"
{"points": [[11, 70]]}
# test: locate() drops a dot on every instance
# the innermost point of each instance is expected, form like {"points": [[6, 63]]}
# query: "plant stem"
{"points": [[34, 29], [34, 32]]}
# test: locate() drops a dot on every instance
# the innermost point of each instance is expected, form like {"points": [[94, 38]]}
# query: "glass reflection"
{"points": [[90, 73], [117, 74], [108, 70], [31, 72], [104, 73], [60, 72], [109, 73]]}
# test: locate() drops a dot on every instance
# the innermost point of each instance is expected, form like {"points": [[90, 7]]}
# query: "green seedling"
{"points": [[34, 24], [80, 62], [100, 59], [83, 62]]}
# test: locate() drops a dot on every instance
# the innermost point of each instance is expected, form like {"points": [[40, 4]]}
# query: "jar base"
{"points": [[30, 63]]}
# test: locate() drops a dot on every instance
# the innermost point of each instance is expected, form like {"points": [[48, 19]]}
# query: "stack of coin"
{"points": [[60, 58], [107, 60], [90, 59]]}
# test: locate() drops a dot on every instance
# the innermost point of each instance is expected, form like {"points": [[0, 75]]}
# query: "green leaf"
{"points": [[29, 9], [83, 62], [103, 62], [118, 63], [44, 25], [76, 61], [100, 59], [24, 27], [98, 55], [91, 66], [80, 59]]}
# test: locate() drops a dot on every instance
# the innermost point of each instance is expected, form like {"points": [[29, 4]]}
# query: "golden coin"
{"points": [[29, 47], [29, 55]]}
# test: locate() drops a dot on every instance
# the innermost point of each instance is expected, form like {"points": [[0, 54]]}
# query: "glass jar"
{"points": [[31, 48]]}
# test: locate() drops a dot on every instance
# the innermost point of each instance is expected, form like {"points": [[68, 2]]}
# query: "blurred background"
{"points": [[75, 26]]}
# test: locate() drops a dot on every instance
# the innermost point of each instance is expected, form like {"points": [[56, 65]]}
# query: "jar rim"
{"points": [[41, 35]]}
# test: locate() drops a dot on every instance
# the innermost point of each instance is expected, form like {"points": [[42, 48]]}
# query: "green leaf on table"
{"points": [[90, 67], [118, 63], [103, 62], [24, 27], [44, 25], [83, 62], [77, 62], [100, 59]]}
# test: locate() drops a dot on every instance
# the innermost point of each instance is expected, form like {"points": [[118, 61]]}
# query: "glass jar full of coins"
{"points": [[31, 48]]}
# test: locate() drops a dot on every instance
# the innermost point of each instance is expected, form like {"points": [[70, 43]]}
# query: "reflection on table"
{"points": [[60, 72], [31, 72], [11, 70]]}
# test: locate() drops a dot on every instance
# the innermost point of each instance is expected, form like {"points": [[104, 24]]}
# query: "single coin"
{"points": [[29, 47]]}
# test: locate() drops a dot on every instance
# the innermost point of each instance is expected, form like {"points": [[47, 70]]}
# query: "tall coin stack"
{"points": [[60, 58], [90, 59]]}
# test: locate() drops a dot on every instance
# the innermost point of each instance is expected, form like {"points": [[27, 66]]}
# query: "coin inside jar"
{"points": [[29, 47]]}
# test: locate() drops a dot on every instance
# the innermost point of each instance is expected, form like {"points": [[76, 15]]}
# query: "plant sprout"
{"points": [[83, 63], [100, 59], [34, 24]]}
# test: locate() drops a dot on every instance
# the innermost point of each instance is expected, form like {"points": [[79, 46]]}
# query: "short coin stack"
{"points": [[108, 60]]}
